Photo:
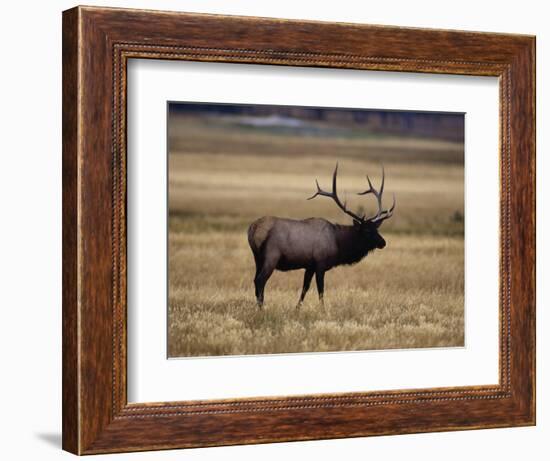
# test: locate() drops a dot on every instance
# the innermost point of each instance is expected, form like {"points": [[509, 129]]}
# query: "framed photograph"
{"points": [[280, 230]]}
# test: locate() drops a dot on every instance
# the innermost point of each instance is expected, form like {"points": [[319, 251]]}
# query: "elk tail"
{"points": [[258, 232], [252, 237], [251, 232]]}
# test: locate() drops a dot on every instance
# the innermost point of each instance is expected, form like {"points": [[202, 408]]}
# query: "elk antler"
{"points": [[381, 215], [334, 196]]}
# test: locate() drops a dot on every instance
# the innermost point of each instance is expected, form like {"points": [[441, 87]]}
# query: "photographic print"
{"points": [[310, 229]]}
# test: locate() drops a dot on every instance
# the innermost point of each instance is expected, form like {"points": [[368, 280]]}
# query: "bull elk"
{"points": [[315, 244]]}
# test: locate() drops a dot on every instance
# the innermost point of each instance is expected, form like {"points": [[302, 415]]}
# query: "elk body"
{"points": [[315, 244]]}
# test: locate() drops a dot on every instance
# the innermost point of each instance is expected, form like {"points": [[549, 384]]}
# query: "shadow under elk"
{"points": [[315, 244]]}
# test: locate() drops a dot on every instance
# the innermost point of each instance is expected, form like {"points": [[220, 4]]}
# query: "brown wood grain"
{"points": [[70, 384], [97, 43]]}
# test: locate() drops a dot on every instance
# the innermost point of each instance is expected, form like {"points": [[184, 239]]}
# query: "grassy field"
{"points": [[222, 176]]}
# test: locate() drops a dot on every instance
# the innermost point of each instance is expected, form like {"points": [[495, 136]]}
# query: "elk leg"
{"points": [[258, 263], [261, 279], [308, 275], [320, 281]]}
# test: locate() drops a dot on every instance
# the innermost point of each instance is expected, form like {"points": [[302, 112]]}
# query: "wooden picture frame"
{"points": [[97, 43]]}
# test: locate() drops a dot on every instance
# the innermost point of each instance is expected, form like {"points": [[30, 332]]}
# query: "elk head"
{"points": [[367, 226]]}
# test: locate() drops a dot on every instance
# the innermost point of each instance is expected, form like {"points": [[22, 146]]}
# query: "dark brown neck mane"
{"points": [[353, 244]]}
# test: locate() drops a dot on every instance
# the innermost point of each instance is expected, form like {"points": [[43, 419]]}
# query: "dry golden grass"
{"points": [[408, 295], [411, 294]]}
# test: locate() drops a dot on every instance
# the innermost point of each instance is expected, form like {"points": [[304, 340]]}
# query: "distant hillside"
{"points": [[435, 125]]}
